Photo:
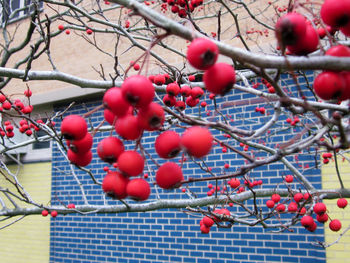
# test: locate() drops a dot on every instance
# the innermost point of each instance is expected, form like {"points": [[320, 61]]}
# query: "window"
{"points": [[13, 10]]}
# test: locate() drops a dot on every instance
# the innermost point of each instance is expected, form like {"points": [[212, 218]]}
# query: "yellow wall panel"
{"points": [[28, 240], [339, 252]]}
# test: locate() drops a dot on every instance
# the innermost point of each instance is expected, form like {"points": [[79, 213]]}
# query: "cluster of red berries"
{"points": [[54, 213], [180, 7], [326, 157], [218, 78], [334, 84], [207, 222], [294, 121], [336, 14]]}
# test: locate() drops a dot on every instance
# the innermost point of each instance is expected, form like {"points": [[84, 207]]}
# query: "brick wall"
{"points": [[171, 235]]}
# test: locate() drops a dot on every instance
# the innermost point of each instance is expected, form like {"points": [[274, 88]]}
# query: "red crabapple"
{"points": [[138, 189], [322, 218], [197, 141], [115, 102], [342, 202], [208, 221], [54, 213], [298, 197], [329, 85], [79, 159], [320, 208], [307, 44], [109, 149], [44, 212], [290, 28], [73, 127], [276, 198], [335, 225], [138, 91], [307, 221], [173, 89], [270, 203], [128, 127], [168, 144], [81, 146], [202, 53], [169, 175], [151, 117], [336, 13], [131, 163], [220, 78], [114, 185]]}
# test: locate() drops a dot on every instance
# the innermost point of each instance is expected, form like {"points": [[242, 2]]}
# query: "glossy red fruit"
{"points": [[204, 229], [168, 144], [307, 221], [208, 221], [60, 27], [44, 213], [89, 31], [280, 208], [173, 89], [159, 79], [71, 206], [338, 51], [131, 163], [138, 189], [138, 91], [115, 102], [169, 176], [320, 208], [185, 90], [197, 141], [109, 116], [335, 13], [234, 183], [307, 44], [322, 218], [335, 225], [109, 149], [114, 185], [82, 146], [270, 203], [169, 101], [79, 159], [298, 197], [329, 85], [313, 227], [342, 202], [290, 28], [197, 92], [202, 53], [276, 198], [191, 102], [222, 211], [220, 78], [180, 105], [289, 178], [73, 127], [151, 117], [292, 207], [128, 127], [54, 213]]}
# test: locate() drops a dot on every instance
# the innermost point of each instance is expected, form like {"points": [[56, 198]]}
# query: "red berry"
{"points": [[197, 92], [289, 178], [73, 127], [138, 91], [322, 218], [54, 213], [109, 149], [307, 221], [306, 196], [169, 175], [234, 183], [205, 229], [109, 116], [208, 221], [220, 78], [307, 44], [191, 102], [336, 13], [335, 225], [202, 53], [89, 31], [222, 211], [197, 141], [298, 197], [131, 163], [128, 127], [81, 146], [329, 85], [292, 207], [60, 27], [173, 89], [169, 101], [79, 159], [276, 198], [138, 189], [44, 213], [67, 31], [114, 185], [71, 206], [159, 79], [342, 202], [115, 102], [151, 117], [280, 208], [338, 51], [6, 105], [270, 203], [168, 144], [290, 28], [185, 90], [320, 208]]}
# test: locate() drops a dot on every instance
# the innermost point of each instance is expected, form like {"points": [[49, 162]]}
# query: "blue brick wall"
{"points": [[172, 235]]}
